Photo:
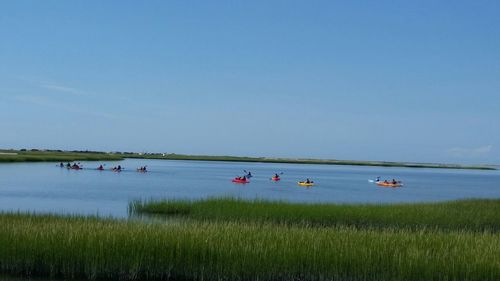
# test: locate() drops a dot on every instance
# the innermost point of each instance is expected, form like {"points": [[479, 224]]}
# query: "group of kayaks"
{"points": [[275, 178], [243, 179], [118, 168], [309, 183]]}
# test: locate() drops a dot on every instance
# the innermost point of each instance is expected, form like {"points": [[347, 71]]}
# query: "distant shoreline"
{"points": [[34, 155], [307, 161]]}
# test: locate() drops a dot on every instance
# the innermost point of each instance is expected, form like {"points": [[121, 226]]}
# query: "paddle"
{"points": [[275, 177], [248, 174]]}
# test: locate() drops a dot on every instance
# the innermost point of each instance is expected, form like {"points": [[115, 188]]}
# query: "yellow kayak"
{"points": [[302, 183]]}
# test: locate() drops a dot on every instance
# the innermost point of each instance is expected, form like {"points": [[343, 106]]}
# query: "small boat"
{"points": [[275, 178], [237, 180], [141, 170], [389, 184], [303, 183], [75, 167]]}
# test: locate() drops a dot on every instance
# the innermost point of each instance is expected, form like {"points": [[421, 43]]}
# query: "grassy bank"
{"points": [[302, 161], [90, 248], [473, 215], [62, 156], [7, 156]]}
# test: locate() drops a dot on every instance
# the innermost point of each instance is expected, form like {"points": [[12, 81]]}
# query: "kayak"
{"points": [[302, 183], [240, 181], [383, 184], [100, 169], [141, 171], [74, 168], [275, 179]]}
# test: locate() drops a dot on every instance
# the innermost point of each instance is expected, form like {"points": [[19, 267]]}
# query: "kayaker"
{"points": [[68, 165], [100, 167], [119, 168], [386, 182], [378, 179], [276, 176], [308, 181], [394, 181], [249, 175]]}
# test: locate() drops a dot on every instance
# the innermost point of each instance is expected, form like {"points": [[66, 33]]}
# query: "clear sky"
{"points": [[375, 80]]}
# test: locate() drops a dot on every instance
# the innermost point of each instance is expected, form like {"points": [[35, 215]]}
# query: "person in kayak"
{"points": [[308, 181], [119, 168], [75, 166], [386, 182], [394, 181], [68, 165], [276, 176], [100, 168], [378, 179]]}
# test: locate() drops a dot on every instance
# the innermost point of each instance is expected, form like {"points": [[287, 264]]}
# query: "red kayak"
{"points": [[275, 179], [236, 180]]}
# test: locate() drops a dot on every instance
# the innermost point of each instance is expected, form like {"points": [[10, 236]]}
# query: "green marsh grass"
{"points": [[52, 156], [474, 215], [55, 156], [103, 249]]}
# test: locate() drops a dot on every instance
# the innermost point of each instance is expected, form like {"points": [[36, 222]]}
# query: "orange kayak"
{"points": [[389, 184]]}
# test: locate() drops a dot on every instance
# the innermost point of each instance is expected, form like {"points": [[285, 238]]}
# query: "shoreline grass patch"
{"points": [[104, 249], [470, 215], [51, 156]]}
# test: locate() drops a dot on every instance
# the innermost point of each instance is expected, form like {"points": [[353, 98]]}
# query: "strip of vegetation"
{"points": [[301, 161], [471, 215], [55, 156], [77, 247], [35, 155]]}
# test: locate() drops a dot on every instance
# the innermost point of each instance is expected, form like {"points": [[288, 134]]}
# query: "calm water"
{"points": [[43, 187]]}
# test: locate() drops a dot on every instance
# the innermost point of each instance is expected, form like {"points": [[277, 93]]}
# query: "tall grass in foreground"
{"points": [[475, 215], [75, 247]]}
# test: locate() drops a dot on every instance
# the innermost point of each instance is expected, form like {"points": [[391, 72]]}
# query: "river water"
{"points": [[45, 188]]}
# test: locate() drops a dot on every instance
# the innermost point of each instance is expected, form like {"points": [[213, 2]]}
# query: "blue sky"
{"points": [[375, 80]]}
